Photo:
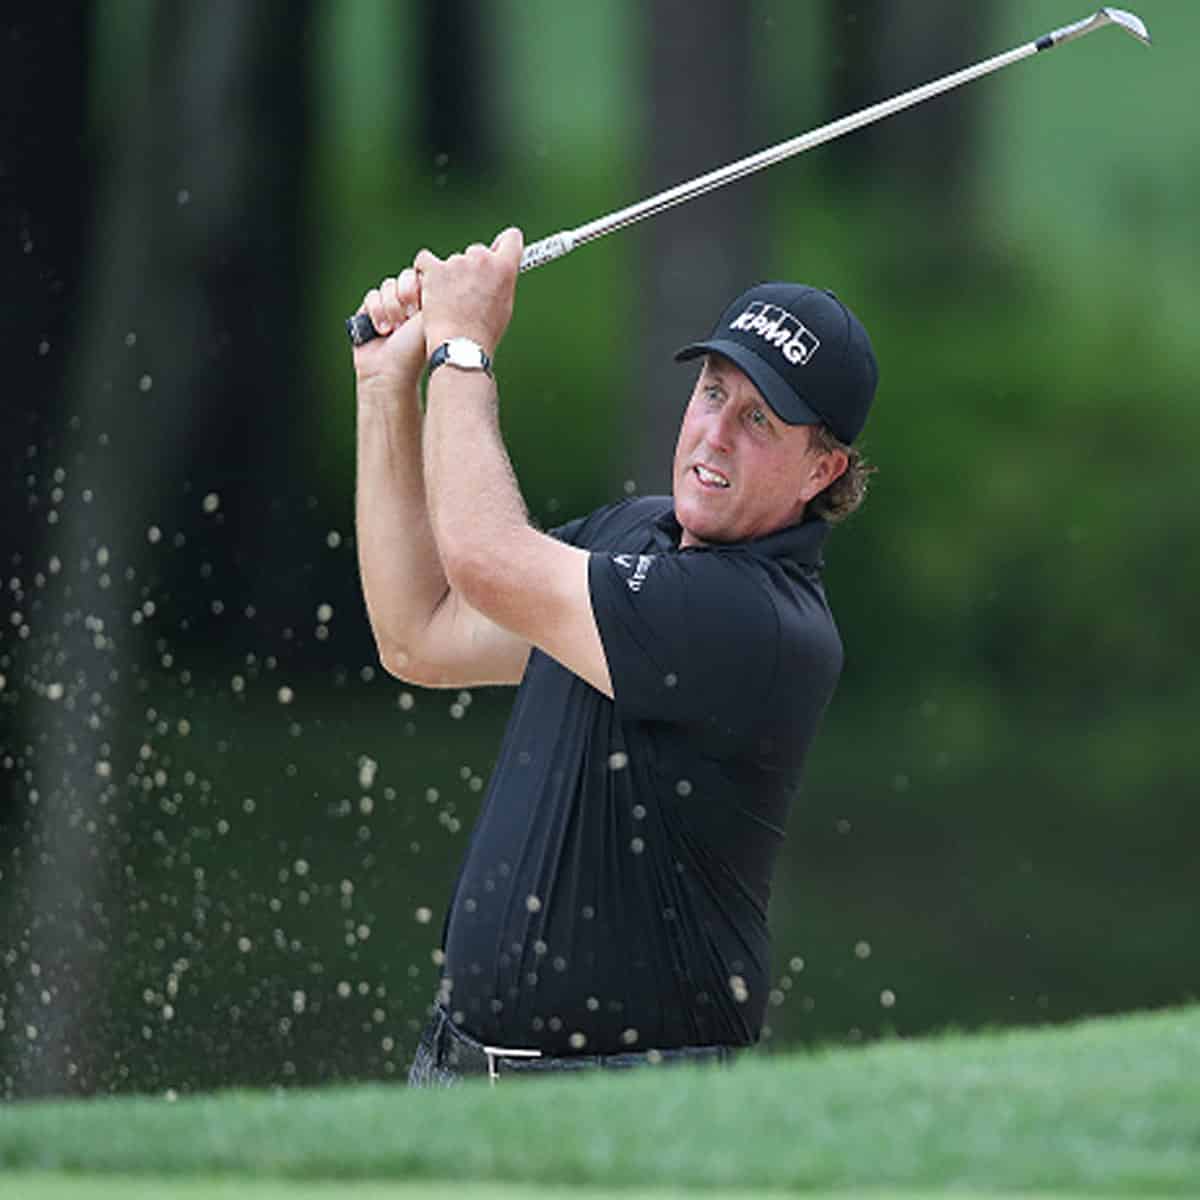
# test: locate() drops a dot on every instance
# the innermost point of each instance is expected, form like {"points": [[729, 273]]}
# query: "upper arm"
{"points": [[461, 647], [537, 590]]}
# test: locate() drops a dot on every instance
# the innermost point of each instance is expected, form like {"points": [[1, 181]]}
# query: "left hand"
{"points": [[397, 356], [470, 294]]}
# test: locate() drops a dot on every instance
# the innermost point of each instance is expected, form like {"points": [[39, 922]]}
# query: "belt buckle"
{"points": [[496, 1052]]}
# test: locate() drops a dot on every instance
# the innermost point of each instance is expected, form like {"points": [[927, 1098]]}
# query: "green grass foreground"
{"points": [[125, 1187], [1106, 1107]]}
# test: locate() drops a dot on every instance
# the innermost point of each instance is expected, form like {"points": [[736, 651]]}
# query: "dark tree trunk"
{"points": [[925, 159], [692, 260], [44, 203], [457, 112], [183, 385]]}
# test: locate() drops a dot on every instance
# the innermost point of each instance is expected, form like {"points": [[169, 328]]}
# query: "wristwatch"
{"points": [[462, 353]]}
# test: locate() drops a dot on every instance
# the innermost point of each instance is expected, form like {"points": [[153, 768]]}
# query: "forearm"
{"points": [[479, 520], [402, 578], [532, 586], [478, 516]]}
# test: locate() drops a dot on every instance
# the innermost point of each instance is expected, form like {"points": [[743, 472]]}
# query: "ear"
{"points": [[825, 469]]}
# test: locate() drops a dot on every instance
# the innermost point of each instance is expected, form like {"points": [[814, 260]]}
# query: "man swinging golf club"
{"points": [[674, 656]]}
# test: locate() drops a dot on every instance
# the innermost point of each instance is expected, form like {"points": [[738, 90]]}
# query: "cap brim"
{"points": [[784, 402]]}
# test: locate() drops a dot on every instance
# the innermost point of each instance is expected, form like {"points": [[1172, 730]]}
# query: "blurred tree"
{"points": [[927, 158], [44, 190], [190, 302], [44, 199], [696, 101], [458, 84]]}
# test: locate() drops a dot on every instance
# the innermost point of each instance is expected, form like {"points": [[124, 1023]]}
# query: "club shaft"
{"points": [[788, 149], [562, 243]]}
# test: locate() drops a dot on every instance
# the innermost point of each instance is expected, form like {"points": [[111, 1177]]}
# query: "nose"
{"points": [[721, 429]]}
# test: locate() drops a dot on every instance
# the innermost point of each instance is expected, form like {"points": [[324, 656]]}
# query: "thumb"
{"points": [[509, 243]]}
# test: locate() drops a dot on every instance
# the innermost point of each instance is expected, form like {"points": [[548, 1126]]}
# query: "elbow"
{"points": [[488, 564], [471, 573], [395, 647], [407, 667], [396, 659]]}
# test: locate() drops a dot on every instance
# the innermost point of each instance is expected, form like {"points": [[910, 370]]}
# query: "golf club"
{"points": [[556, 245]]}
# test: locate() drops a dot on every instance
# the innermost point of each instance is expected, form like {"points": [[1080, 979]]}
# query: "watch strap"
{"points": [[448, 352]]}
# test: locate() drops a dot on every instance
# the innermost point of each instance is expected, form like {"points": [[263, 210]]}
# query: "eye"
{"points": [[758, 418]]}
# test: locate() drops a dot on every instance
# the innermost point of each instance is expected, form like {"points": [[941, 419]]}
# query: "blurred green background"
{"points": [[227, 839]]}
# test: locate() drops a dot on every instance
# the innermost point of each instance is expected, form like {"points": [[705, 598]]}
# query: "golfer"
{"points": [[674, 656]]}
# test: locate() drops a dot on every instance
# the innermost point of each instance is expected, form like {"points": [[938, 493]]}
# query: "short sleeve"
{"points": [[569, 532], [690, 638]]}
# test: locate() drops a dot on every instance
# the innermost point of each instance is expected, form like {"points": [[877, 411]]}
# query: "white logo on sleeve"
{"points": [[796, 342], [640, 566]]}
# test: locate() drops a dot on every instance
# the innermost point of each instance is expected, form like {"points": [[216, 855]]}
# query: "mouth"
{"points": [[708, 478]]}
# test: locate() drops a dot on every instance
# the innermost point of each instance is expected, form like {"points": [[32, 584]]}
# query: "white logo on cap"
{"points": [[796, 342]]}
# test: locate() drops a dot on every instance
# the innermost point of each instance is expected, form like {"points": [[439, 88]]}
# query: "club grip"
{"points": [[547, 250], [360, 329], [359, 326]]}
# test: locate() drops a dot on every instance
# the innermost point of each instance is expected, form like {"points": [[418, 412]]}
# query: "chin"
{"points": [[705, 517], [700, 529]]}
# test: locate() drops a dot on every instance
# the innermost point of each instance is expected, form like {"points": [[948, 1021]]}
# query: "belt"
{"points": [[457, 1052]]}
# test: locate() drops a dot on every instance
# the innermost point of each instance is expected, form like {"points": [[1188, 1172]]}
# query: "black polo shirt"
{"points": [[614, 892]]}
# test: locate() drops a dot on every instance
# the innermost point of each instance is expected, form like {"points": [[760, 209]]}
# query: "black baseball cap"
{"points": [[804, 350]]}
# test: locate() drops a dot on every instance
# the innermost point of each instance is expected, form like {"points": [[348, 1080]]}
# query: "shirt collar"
{"points": [[800, 543]]}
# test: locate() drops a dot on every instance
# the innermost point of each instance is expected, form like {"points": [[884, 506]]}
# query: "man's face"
{"points": [[740, 472]]}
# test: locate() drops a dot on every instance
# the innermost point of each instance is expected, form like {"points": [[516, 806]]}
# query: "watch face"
{"points": [[462, 352]]}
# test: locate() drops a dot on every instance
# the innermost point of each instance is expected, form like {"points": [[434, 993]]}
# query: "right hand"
{"points": [[397, 356]]}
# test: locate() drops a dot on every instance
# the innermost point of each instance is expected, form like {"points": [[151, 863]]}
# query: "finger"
{"points": [[373, 306], [509, 243], [392, 306], [426, 260], [408, 289], [475, 249]]}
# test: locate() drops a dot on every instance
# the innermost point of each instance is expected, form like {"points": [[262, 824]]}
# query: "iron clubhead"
{"points": [[1130, 22]]}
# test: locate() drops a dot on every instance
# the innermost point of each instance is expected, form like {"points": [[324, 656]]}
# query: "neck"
{"points": [[688, 539]]}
